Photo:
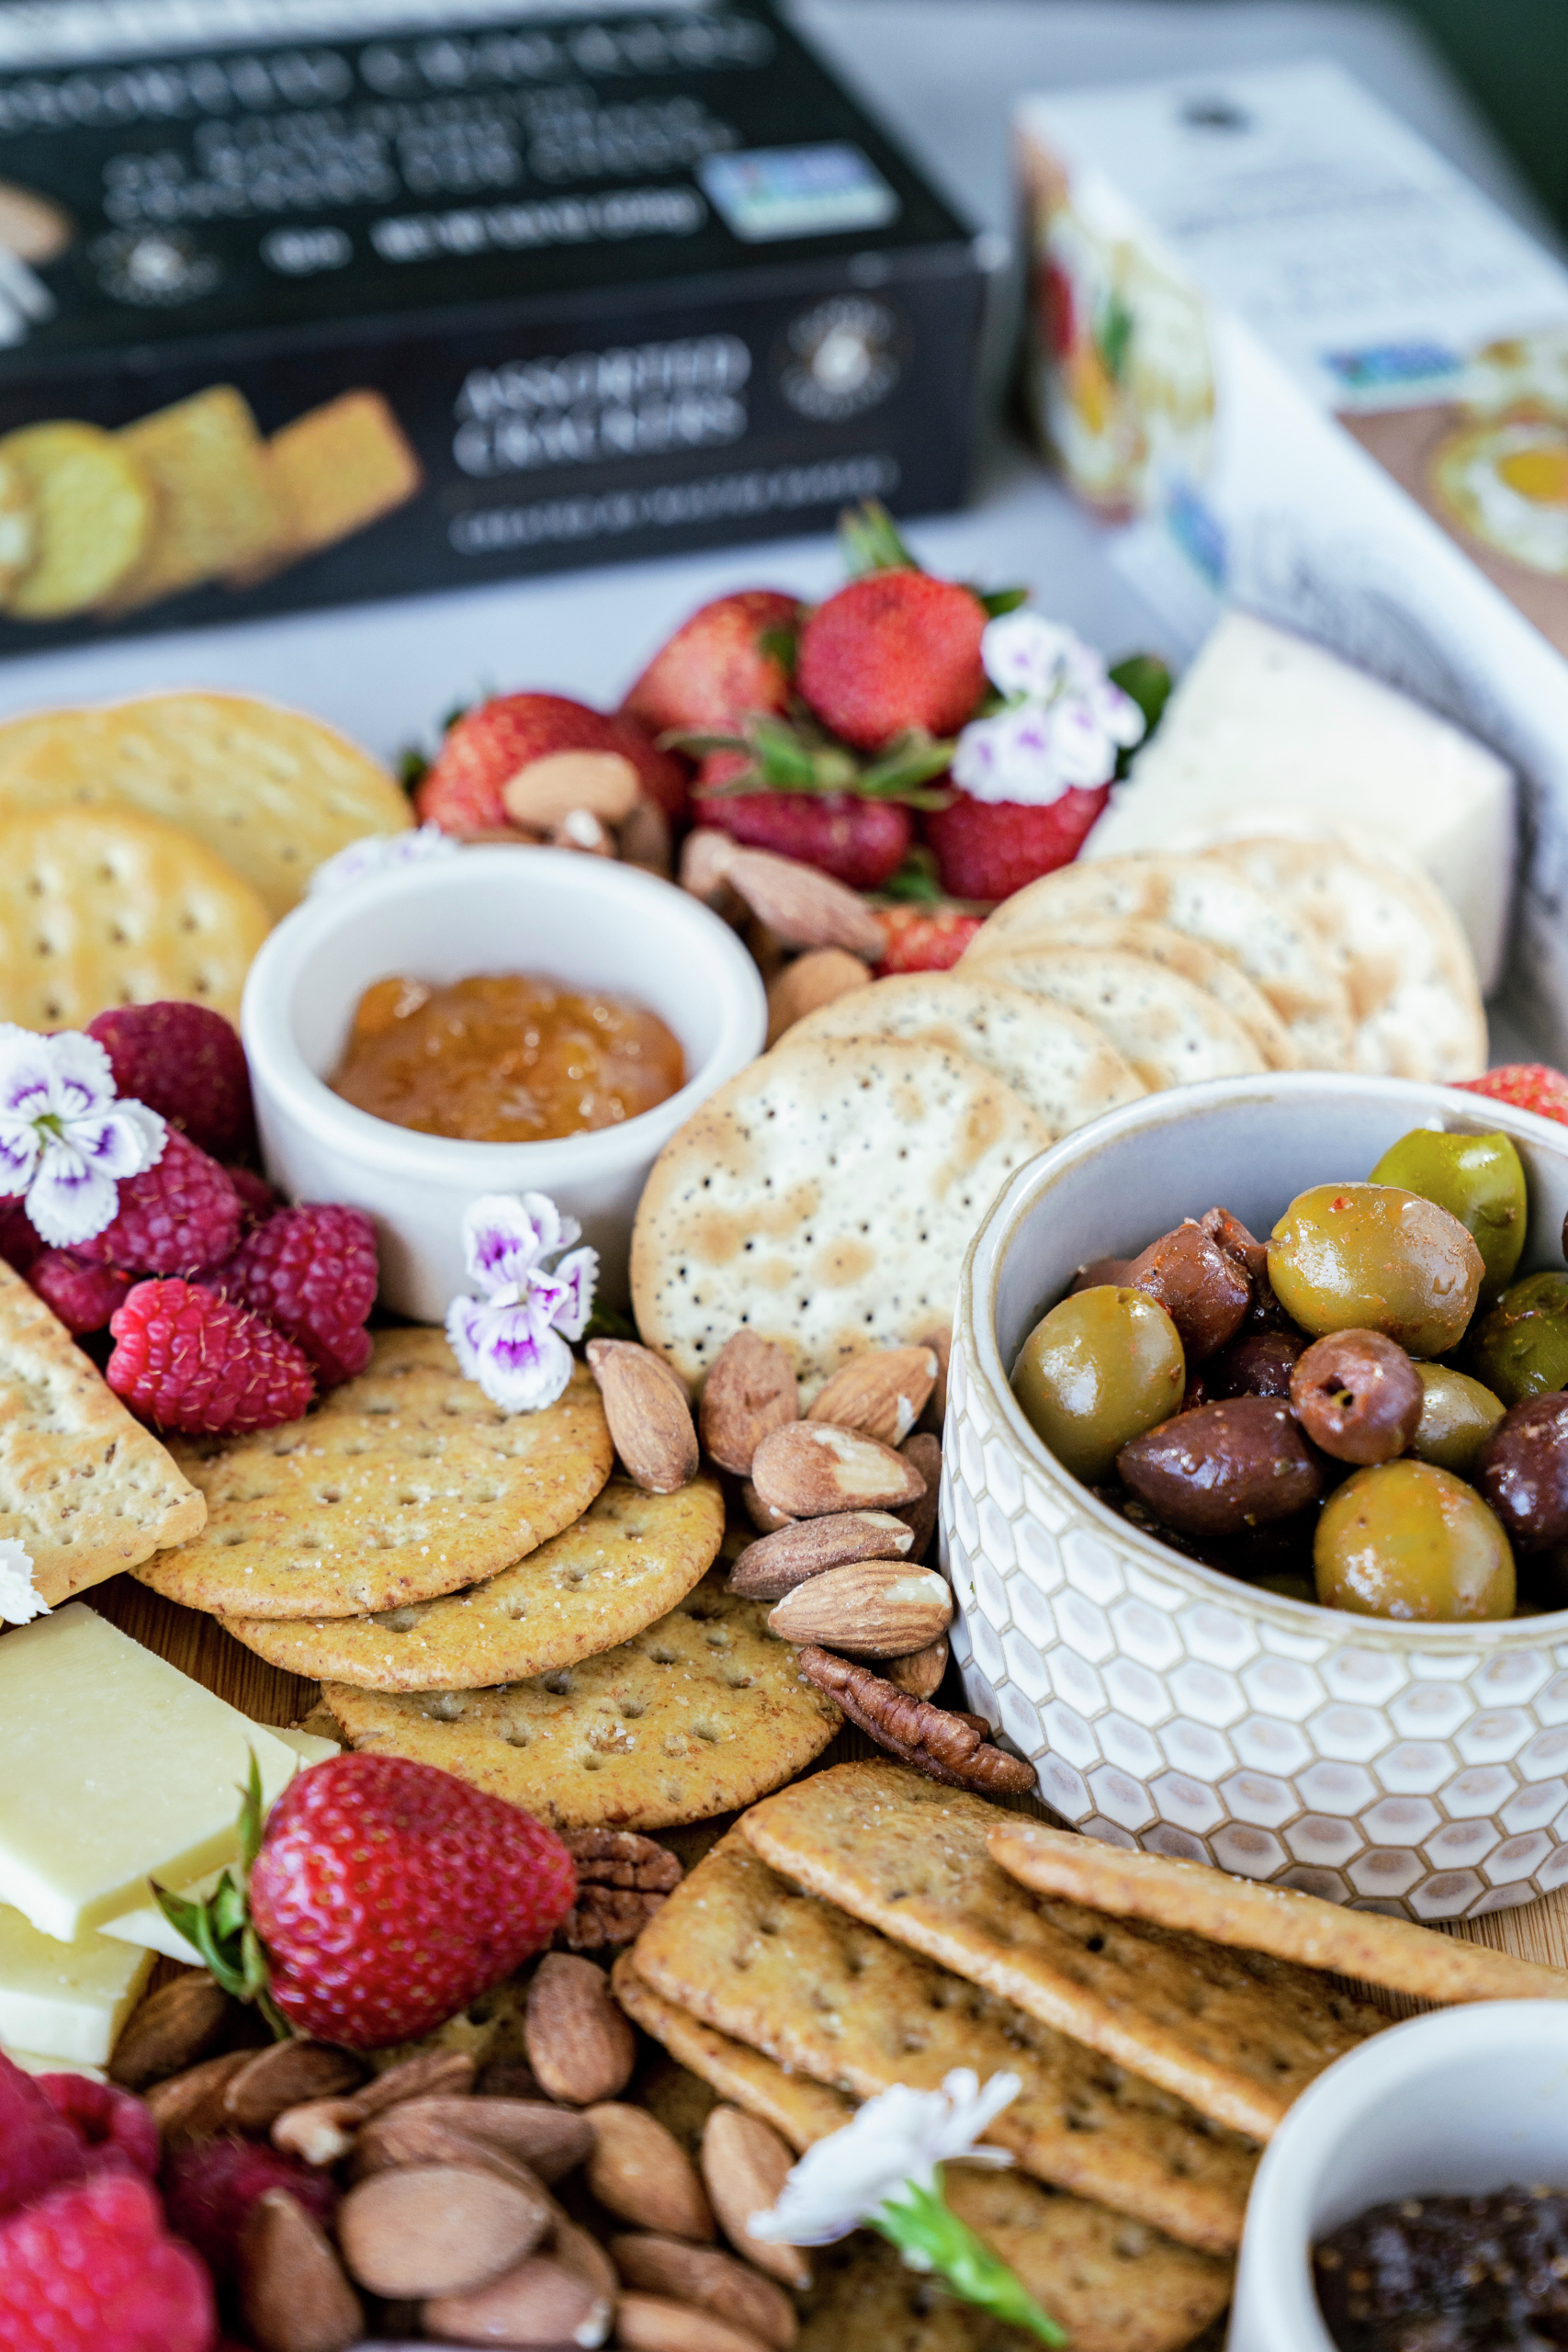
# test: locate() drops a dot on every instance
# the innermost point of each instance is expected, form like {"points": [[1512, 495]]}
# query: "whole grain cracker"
{"points": [[1294, 1927], [1168, 1029], [105, 907], [92, 513], [797, 2108], [1223, 910], [1238, 2039], [337, 469], [1218, 976], [628, 1560], [826, 1196], [403, 1484], [701, 1712], [83, 1488], [215, 500], [821, 1992], [1062, 1065]]}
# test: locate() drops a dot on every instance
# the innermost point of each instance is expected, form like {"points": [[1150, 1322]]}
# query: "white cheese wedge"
{"points": [[68, 1998], [1268, 733], [33, 2062], [115, 1768]]}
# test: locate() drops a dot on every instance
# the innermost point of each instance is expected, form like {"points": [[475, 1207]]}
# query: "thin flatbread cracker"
{"points": [[1279, 1920], [1217, 974], [819, 1991], [92, 513], [85, 1489], [1168, 1029], [802, 2110], [1239, 2039], [216, 501]]}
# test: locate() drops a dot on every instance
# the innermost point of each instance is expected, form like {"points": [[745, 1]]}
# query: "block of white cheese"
{"points": [[115, 1768], [1268, 733], [68, 1998], [33, 2062]]}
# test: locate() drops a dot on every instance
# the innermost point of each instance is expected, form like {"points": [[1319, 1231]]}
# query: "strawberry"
{"points": [[486, 747], [988, 849], [923, 939], [718, 668], [860, 841], [894, 652], [1527, 1086]]}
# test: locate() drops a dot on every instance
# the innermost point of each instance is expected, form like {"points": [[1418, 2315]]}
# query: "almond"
{"points": [[437, 2229], [749, 1391], [433, 2073], [655, 2323], [413, 2135], [579, 2040], [284, 2076], [818, 977], [542, 793], [707, 857], [650, 1420], [883, 1392], [805, 908], [925, 1451], [814, 1467], [538, 2302], [182, 2022], [639, 2172], [710, 2281], [320, 2132], [189, 2106], [763, 1516], [577, 2250], [775, 1563], [645, 840], [939, 1342], [920, 1673], [582, 830], [293, 2294], [877, 1609], [745, 2164]]}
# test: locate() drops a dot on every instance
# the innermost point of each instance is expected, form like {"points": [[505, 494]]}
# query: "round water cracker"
{"points": [[93, 510], [1062, 1066], [402, 1484], [1170, 1031], [1207, 969], [1282, 958], [825, 1198], [701, 1713], [628, 1559], [105, 907], [19, 528]]}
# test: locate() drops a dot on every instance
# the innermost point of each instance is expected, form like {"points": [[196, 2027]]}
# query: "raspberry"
{"points": [[312, 1273], [185, 1360], [38, 2150], [116, 2128], [923, 939], [183, 1214], [20, 1244], [988, 849], [257, 1199], [187, 1062], [81, 1294], [209, 2190], [90, 2269], [1528, 1086]]}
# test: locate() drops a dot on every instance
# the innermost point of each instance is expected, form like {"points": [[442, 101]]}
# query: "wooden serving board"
{"points": [[199, 1647]]}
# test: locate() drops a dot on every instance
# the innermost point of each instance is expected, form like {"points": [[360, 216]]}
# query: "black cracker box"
{"points": [[309, 300]]}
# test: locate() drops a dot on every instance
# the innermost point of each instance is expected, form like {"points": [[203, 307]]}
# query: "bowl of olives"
{"points": [[1256, 1492]]}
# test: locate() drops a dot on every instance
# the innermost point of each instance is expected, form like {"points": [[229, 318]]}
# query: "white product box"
{"points": [[1307, 368]]}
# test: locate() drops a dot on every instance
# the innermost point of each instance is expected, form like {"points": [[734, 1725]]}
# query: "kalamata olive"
{"points": [[1201, 1288], [1257, 1365], [1098, 1274], [1457, 1417], [1266, 1314], [1374, 1258], [1102, 1367], [1522, 1470], [1223, 1468], [1477, 1179], [1251, 1254], [1407, 1540], [1356, 1395], [1520, 1349]]}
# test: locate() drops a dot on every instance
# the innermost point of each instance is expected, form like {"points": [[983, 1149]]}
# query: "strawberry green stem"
{"points": [[220, 1925]]}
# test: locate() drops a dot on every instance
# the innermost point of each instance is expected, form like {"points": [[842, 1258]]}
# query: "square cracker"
{"points": [[1114, 2285], [336, 470], [216, 504], [1191, 1896], [1237, 2036], [819, 1992], [83, 1488]]}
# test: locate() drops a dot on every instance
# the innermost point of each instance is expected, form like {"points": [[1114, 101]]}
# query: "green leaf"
{"points": [[1114, 335], [692, 740], [605, 1323], [910, 760], [932, 2238], [916, 883], [781, 645], [413, 768], [868, 538], [220, 1927], [1148, 680], [997, 601]]}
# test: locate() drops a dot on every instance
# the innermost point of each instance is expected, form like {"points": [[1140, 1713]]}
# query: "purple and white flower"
{"points": [[21, 1600], [67, 1141], [379, 853], [512, 1337], [1061, 725]]}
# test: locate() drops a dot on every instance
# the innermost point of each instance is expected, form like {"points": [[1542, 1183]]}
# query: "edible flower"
{"points": [[1062, 722], [512, 1338], [21, 1600], [67, 1141], [882, 2171], [379, 853]]}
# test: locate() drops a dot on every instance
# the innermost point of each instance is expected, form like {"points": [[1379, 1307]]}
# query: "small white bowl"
{"points": [[1457, 2104], [588, 921]]}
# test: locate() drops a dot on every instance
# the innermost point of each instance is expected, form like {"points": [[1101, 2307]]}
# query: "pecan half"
{"points": [[944, 1747], [621, 1879]]}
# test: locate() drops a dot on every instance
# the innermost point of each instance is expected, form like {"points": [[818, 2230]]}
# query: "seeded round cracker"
{"points": [[699, 1714], [103, 907], [402, 1484], [1062, 1065], [825, 1198], [1205, 967], [628, 1559], [93, 510], [1167, 1029]]}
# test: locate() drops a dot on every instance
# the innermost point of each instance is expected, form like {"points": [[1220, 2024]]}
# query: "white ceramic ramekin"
{"points": [[1453, 2105], [1406, 1768], [586, 921]]}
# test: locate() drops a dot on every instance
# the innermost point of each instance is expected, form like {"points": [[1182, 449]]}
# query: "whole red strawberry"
{"points": [[312, 1273], [187, 1062], [83, 1294], [717, 670], [924, 939], [490, 744], [895, 651], [1528, 1086], [988, 849], [211, 2186], [182, 1213], [91, 2268], [662, 774], [862, 842], [184, 1359]]}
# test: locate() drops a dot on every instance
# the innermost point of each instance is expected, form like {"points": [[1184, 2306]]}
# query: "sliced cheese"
{"points": [[1270, 733], [33, 2062], [68, 1998]]}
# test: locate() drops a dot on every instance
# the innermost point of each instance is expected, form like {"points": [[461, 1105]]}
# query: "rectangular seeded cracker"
{"points": [[1395, 1954], [821, 1994], [1237, 2036], [216, 504], [334, 470], [83, 1488], [1114, 2284]]}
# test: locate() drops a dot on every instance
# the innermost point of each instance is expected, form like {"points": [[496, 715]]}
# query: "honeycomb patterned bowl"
{"points": [[1412, 1768]]}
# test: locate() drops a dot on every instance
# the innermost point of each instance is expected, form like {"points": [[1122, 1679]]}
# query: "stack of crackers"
{"points": [[866, 1927]]}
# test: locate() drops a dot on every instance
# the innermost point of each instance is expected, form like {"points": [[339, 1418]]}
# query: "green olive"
{"points": [[1521, 1348], [1102, 1367], [1477, 1179], [1458, 1415], [1407, 1540], [1375, 1258], [1289, 1587]]}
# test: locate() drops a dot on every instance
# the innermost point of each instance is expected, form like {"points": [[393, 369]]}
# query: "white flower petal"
{"points": [[379, 853], [69, 1199], [511, 1351], [21, 1600], [555, 1231], [116, 1145], [502, 1246], [151, 1127], [27, 1075], [899, 2137], [19, 1149], [578, 1276], [1024, 652], [83, 1075]]}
